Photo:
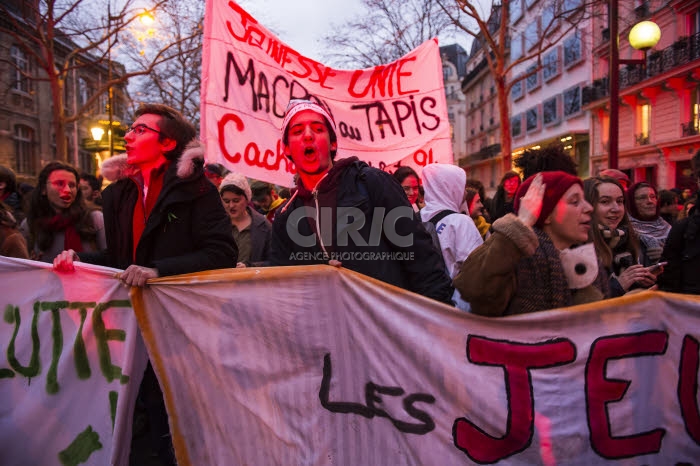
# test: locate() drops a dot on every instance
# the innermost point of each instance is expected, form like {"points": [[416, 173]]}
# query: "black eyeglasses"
{"points": [[140, 129]]}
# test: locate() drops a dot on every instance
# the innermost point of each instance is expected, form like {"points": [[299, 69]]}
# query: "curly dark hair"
{"points": [[550, 158]]}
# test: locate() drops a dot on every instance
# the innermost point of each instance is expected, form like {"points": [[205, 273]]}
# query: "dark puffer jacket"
{"points": [[353, 184], [188, 229], [682, 252]]}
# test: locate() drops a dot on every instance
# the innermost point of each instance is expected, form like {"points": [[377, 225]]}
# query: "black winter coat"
{"points": [[187, 231], [682, 252], [351, 183]]}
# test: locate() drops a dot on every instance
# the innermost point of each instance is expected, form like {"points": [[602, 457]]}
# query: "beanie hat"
{"points": [[237, 180], [556, 184], [616, 174], [297, 105]]}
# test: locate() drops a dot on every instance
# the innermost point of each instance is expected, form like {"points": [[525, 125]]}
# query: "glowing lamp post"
{"points": [[643, 36], [97, 133]]}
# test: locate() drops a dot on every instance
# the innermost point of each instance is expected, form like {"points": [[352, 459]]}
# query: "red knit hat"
{"points": [[556, 184]]}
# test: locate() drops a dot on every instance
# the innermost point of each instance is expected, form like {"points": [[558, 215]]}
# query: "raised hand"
{"points": [[531, 202]]}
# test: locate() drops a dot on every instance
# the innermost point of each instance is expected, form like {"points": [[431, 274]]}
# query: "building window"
{"points": [[570, 6], [550, 65], [446, 72], [532, 35], [573, 49], [532, 119], [83, 91], [20, 70], [643, 123], [532, 82], [550, 111], [85, 161], [549, 18], [516, 92], [24, 149], [516, 126], [694, 124], [516, 47], [572, 101], [515, 9]]}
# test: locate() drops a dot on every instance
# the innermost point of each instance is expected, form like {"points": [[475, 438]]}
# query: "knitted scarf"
{"points": [[541, 283], [652, 233], [59, 223]]}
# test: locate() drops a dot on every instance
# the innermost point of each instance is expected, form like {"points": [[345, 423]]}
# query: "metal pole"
{"points": [[109, 77], [614, 77]]}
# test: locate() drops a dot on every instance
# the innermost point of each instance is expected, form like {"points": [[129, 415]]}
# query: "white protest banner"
{"points": [[72, 364], [393, 113], [317, 365]]}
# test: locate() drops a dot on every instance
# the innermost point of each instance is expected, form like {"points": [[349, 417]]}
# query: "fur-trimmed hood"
{"points": [[117, 168]]}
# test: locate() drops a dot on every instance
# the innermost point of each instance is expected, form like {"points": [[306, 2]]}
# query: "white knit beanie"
{"points": [[238, 180]]}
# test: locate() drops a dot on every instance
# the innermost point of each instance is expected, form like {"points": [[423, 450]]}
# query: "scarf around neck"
{"points": [[66, 224]]}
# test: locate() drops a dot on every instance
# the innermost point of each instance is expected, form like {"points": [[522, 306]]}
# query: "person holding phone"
{"points": [[616, 242]]}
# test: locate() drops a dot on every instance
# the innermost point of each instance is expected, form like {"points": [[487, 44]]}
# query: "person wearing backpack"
{"points": [[445, 202], [332, 215]]}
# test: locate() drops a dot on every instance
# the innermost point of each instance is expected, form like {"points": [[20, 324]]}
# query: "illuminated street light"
{"points": [[147, 18], [643, 36], [97, 133]]}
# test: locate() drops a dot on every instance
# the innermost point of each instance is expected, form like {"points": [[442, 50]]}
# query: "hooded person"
{"points": [[445, 196], [645, 218], [330, 214], [529, 264]]}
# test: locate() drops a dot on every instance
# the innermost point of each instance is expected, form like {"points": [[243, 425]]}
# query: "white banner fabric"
{"points": [[390, 115], [317, 365], [72, 363]]}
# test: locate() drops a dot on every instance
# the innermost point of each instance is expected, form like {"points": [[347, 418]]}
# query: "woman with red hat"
{"points": [[528, 263]]}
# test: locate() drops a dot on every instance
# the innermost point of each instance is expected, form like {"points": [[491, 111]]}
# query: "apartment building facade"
{"points": [[659, 111], [27, 135], [454, 65], [545, 100]]}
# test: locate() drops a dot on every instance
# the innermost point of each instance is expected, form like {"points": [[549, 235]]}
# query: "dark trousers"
{"points": [[153, 407]]}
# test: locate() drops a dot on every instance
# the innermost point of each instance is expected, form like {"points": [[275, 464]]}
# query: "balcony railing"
{"points": [[690, 128], [681, 52], [641, 139], [485, 153]]}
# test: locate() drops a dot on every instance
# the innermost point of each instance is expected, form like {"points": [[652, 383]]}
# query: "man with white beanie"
{"points": [[251, 230], [333, 213]]}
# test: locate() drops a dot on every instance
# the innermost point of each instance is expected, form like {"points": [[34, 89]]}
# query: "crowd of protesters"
{"points": [[547, 239]]}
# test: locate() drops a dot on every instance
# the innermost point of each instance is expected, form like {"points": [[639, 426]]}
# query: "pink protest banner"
{"points": [[317, 365], [393, 114]]}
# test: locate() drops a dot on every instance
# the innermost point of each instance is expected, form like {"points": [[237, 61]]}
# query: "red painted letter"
{"points": [[600, 391], [517, 359], [688, 386]]}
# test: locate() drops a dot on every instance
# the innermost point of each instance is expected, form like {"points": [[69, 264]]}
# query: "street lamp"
{"points": [[643, 36], [97, 133]]}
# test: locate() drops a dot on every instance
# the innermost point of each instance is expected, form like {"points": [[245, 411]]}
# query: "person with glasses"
{"points": [[163, 217], [645, 217], [682, 249], [58, 217], [350, 191]]}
